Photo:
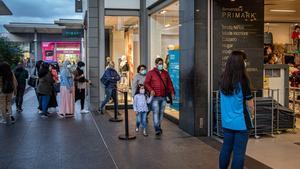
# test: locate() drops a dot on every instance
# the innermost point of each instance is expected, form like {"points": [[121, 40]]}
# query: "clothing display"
{"points": [[124, 70]]}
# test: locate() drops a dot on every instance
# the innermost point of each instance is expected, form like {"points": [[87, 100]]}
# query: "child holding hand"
{"points": [[141, 108]]}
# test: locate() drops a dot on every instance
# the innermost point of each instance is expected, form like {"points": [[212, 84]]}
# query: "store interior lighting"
{"points": [[163, 12], [283, 10]]}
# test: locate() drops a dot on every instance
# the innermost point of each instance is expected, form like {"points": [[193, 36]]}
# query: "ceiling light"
{"points": [[167, 25], [282, 10], [163, 12]]}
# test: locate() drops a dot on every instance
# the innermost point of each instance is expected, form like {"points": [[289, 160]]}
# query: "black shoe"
{"points": [[12, 119], [100, 111], [161, 131], [158, 133]]}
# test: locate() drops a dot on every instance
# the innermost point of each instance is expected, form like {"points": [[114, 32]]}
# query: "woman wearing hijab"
{"points": [[67, 103]]}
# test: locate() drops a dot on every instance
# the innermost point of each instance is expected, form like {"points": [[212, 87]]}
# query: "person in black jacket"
{"points": [[21, 75], [80, 85], [44, 88]]}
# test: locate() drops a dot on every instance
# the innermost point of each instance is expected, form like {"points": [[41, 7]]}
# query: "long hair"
{"points": [[44, 69], [6, 73], [234, 74]]}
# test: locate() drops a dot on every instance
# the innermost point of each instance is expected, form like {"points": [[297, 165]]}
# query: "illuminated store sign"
{"points": [[239, 25]]}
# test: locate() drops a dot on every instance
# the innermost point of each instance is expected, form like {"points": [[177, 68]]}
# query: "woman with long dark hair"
{"points": [[236, 109], [8, 86], [44, 88]]}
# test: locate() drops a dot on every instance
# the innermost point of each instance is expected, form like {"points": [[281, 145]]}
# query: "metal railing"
{"points": [[267, 115]]}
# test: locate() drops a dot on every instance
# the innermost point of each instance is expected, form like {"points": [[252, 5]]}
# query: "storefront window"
{"points": [[165, 44], [61, 51], [122, 47]]}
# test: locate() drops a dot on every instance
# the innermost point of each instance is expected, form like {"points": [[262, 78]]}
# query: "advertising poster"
{"points": [[173, 70]]}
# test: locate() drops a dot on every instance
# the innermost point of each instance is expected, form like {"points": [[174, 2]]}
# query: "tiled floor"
{"points": [[90, 141], [278, 152]]}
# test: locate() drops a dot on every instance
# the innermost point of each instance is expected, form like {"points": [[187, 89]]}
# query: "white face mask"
{"points": [[82, 68], [142, 91], [69, 66]]}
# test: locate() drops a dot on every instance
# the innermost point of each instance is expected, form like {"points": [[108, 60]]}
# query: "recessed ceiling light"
{"points": [[163, 12], [282, 10], [167, 25]]}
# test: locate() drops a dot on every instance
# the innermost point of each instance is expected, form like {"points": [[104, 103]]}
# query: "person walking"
{"points": [[236, 110], [35, 75], [139, 78], [110, 79], [44, 88], [21, 75], [8, 87], [140, 106], [67, 104], [159, 84], [80, 85]]}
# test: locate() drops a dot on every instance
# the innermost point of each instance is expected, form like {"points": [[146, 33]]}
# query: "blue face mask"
{"points": [[160, 67], [143, 72]]}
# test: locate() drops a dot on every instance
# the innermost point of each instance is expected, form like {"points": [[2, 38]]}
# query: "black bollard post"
{"points": [[126, 136], [116, 118]]}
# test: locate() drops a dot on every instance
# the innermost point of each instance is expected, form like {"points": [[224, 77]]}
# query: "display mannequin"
{"points": [[296, 37], [124, 70]]}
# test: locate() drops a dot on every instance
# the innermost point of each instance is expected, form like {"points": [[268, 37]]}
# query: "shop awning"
{"points": [[4, 9], [70, 23], [33, 27]]}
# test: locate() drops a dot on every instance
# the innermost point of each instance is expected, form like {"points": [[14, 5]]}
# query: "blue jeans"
{"points": [[44, 100], [141, 117], [235, 141], [108, 94], [158, 109]]}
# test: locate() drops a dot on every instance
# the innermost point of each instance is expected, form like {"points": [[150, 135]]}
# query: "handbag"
{"points": [[32, 81], [169, 95]]}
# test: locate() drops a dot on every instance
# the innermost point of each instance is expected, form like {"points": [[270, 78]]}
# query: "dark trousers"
{"points": [[19, 96], [108, 94], [236, 142], [81, 97], [38, 96]]}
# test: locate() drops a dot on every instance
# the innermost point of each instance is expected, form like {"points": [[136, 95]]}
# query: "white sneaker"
{"points": [[84, 111], [137, 130], [2, 121], [39, 112]]}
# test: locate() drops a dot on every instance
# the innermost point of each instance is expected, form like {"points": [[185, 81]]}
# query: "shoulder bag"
{"points": [[169, 95]]}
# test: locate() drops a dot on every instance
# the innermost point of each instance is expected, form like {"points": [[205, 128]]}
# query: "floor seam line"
{"points": [[105, 144]]}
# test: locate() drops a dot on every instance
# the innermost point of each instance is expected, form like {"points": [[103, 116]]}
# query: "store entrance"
{"points": [[122, 46], [165, 44], [277, 102]]}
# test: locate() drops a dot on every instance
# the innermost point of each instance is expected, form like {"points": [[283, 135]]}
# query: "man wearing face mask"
{"points": [[80, 85], [159, 84], [110, 79]]}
